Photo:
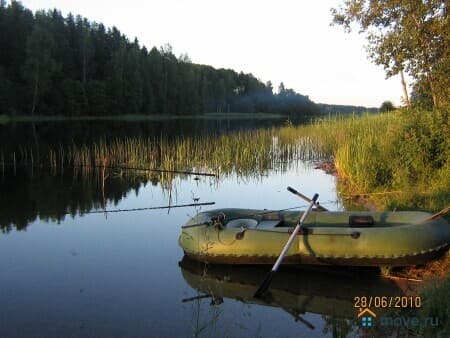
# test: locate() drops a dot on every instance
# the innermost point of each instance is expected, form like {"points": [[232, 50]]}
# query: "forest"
{"points": [[69, 66]]}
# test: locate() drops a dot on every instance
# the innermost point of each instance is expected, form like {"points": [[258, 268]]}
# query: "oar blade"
{"points": [[264, 285]]}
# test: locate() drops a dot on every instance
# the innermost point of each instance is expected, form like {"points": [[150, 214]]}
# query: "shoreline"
{"points": [[435, 270], [5, 119]]}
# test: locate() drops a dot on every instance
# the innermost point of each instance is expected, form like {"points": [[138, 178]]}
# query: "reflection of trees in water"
{"points": [[58, 188], [51, 195]]}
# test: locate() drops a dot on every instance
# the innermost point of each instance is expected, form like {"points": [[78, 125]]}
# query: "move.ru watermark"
{"points": [[410, 322], [368, 318]]}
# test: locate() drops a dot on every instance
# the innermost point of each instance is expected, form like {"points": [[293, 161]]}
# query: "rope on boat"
{"points": [[253, 214]]}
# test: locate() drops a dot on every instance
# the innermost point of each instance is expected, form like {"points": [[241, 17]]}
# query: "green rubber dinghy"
{"points": [[383, 239]]}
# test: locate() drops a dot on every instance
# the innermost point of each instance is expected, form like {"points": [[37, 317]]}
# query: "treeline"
{"points": [[55, 65], [345, 109]]}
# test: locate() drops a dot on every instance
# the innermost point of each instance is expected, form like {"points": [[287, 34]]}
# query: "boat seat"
{"points": [[242, 222], [269, 223], [361, 221], [251, 223]]}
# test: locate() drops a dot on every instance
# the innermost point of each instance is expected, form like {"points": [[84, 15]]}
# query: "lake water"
{"points": [[69, 272]]}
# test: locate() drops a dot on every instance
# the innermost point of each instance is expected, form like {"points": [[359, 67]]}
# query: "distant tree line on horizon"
{"points": [[51, 65], [346, 109]]}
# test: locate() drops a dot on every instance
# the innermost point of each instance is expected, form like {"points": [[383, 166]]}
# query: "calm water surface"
{"points": [[123, 274]]}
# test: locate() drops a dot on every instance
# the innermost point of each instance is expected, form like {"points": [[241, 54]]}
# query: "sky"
{"points": [[289, 41]]}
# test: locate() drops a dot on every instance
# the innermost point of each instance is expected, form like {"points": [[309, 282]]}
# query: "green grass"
{"points": [[404, 151], [436, 304]]}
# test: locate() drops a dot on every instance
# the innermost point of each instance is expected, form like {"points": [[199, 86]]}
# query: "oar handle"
{"points": [[292, 190], [266, 283], [294, 233], [316, 204]]}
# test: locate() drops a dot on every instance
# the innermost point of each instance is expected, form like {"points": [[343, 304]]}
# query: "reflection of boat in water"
{"points": [[242, 236], [319, 290]]}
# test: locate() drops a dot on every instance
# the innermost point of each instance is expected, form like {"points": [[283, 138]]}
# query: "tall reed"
{"points": [[243, 151], [407, 151]]}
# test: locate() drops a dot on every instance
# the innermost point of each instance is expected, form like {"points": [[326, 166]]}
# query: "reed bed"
{"points": [[359, 145], [242, 152], [406, 151]]}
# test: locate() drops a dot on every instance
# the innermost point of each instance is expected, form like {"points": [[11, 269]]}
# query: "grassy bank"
{"points": [[436, 304], [404, 152]]}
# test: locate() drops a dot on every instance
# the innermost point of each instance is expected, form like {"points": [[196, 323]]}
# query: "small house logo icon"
{"points": [[367, 317]]}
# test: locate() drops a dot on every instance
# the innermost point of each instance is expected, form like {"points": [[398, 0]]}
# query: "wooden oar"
{"points": [[295, 192], [266, 283], [441, 213]]}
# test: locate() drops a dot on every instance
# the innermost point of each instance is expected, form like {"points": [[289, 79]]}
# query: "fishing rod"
{"points": [[185, 172], [147, 208]]}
